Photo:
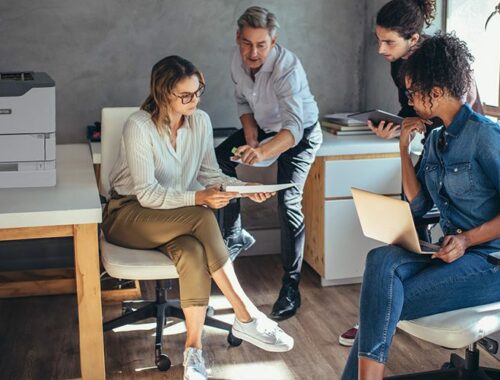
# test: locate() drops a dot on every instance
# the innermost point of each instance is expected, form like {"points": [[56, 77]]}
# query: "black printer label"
{"points": [[5, 111]]}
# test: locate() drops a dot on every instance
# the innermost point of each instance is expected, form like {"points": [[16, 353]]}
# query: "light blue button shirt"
{"points": [[280, 97], [460, 173]]}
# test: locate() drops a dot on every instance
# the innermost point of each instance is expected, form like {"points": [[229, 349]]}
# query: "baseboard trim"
{"points": [[341, 281]]}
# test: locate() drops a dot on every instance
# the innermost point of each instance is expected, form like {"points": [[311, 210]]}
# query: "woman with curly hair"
{"points": [[460, 173], [399, 27]]}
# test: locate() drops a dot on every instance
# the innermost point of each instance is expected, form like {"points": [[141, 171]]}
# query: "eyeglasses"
{"points": [[409, 94], [188, 97], [442, 144]]}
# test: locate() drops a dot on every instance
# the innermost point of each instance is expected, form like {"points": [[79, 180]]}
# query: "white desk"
{"points": [[95, 149], [335, 245], [70, 209]]}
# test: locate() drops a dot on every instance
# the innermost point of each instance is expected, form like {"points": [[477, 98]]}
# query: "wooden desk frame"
{"points": [[88, 288]]}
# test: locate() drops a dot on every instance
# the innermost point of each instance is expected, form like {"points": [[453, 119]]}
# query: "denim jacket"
{"points": [[460, 173]]}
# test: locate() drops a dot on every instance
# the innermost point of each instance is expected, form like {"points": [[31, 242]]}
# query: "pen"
{"points": [[234, 150]]}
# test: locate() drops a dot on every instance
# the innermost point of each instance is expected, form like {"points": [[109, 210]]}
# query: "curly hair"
{"points": [[406, 17], [443, 61]]}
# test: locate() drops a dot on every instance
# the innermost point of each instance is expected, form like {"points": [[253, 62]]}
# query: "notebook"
{"points": [[389, 220]]}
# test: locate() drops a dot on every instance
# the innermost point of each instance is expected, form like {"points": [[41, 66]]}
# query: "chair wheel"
{"points": [[233, 341], [163, 362]]}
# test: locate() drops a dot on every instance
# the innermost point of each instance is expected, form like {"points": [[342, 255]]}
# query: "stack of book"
{"points": [[342, 125]]}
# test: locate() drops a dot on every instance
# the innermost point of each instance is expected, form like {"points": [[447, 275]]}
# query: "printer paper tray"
{"points": [[18, 148]]}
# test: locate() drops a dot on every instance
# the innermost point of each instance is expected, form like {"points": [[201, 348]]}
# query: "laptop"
{"points": [[389, 220]]}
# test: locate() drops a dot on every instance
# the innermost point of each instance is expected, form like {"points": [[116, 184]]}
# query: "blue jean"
{"points": [[401, 285], [293, 166]]}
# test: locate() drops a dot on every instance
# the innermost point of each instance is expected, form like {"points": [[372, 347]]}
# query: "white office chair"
{"points": [[457, 329], [136, 264]]}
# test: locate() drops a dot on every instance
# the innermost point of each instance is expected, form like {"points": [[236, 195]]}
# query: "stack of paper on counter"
{"points": [[342, 125]]}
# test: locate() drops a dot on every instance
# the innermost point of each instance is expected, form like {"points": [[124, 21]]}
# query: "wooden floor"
{"points": [[38, 336]]}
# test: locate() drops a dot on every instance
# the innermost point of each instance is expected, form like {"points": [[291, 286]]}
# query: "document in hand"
{"points": [[261, 164], [259, 188]]}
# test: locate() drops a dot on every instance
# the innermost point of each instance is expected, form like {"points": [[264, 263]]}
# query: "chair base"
{"points": [[457, 369], [161, 309]]}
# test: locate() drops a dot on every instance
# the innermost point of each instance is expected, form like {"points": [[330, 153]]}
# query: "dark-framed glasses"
{"points": [[409, 94], [187, 97]]}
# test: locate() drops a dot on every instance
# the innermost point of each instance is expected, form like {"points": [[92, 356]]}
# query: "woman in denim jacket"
{"points": [[460, 173]]}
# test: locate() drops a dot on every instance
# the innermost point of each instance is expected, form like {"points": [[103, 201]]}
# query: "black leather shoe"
{"points": [[238, 242], [287, 304]]}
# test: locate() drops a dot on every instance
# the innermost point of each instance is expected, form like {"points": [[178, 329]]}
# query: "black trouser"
{"points": [[293, 166]]}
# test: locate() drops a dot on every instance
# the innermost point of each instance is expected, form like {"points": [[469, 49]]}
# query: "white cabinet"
{"points": [[335, 245], [379, 175], [345, 245]]}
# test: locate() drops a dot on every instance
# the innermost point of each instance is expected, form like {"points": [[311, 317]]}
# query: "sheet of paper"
{"points": [[261, 164], [259, 188]]}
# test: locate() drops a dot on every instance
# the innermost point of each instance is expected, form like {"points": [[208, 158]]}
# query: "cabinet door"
{"points": [[345, 245], [379, 175]]}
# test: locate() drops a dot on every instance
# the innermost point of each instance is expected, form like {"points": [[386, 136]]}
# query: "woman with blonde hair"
{"points": [[165, 183]]}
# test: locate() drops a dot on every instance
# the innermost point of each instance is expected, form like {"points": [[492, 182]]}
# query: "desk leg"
{"points": [[88, 290]]}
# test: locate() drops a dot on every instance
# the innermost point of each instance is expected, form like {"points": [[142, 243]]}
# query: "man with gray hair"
{"points": [[274, 104]]}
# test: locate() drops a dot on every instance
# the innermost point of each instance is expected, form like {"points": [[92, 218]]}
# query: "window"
{"points": [[467, 18]]}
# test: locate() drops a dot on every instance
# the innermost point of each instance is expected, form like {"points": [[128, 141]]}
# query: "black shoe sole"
{"points": [[287, 315]]}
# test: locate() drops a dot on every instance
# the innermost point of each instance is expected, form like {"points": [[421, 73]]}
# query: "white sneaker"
{"points": [[263, 333], [194, 365]]}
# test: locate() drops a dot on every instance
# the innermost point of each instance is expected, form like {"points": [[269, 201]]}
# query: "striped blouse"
{"points": [[163, 177]]}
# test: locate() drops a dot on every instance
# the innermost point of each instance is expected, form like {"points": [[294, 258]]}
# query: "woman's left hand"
{"points": [[452, 248], [258, 197]]}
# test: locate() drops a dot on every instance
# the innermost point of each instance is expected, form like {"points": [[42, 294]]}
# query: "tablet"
{"points": [[376, 116]]}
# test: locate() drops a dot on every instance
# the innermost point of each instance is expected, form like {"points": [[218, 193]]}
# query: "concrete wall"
{"points": [[378, 88], [100, 53]]}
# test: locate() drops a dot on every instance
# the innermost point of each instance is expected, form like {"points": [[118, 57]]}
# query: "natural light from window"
{"points": [[467, 18]]}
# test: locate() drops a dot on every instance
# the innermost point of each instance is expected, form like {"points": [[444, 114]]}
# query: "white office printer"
{"points": [[27, 130]]}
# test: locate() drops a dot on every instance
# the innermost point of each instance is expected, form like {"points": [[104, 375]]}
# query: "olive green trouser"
{"points": [[190, 236]]}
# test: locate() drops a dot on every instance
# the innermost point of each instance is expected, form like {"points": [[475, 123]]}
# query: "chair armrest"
{"points": [[494, 258]]}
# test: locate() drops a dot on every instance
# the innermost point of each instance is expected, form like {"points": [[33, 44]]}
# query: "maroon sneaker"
{"points": [[347, 338]]}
